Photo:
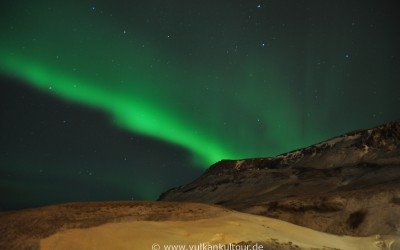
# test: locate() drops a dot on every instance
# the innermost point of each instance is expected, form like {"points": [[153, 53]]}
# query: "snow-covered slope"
{"points": [[349, 184]]}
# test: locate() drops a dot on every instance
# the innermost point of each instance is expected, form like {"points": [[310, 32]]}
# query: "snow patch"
{"points": [[238, 164]]}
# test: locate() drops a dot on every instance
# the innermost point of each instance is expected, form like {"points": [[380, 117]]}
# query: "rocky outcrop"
{"points": [[349, 184]]}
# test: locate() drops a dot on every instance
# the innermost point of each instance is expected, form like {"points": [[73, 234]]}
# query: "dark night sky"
{"points": [[116, 100]]}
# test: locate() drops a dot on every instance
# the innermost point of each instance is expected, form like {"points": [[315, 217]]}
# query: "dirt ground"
{"points": [[139, 225]]}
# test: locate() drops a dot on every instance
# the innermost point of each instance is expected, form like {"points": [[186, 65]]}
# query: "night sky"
{"points": [[118, 100]]}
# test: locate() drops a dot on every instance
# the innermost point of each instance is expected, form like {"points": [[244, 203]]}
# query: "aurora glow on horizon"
{"points": [[225, 80]]}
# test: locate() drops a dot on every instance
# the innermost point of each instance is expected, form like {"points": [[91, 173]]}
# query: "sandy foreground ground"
{"points": [[233, 227], [163, 225]]}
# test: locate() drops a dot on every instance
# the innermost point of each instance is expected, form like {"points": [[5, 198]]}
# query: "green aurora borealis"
{"points": [[219, 79], [128, 110], [151, 100]]}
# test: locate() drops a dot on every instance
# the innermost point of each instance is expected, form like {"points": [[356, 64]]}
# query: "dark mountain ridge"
{"points": [[349, 184]]}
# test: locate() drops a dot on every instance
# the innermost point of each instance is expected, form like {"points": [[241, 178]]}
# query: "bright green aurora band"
{"points": [[137, 94], [128, 110], [215, 94]]}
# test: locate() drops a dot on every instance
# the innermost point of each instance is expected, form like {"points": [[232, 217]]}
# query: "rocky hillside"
{"points": [[349, 184]]}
